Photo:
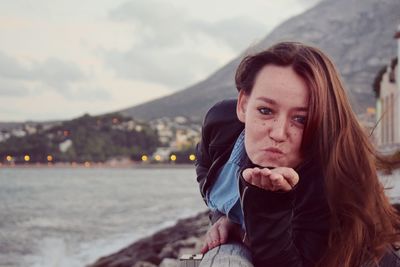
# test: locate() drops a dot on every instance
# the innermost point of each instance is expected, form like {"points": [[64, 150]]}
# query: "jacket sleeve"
{"points": [[203, 160], [219, 132], [277, 236], [203, 164]]}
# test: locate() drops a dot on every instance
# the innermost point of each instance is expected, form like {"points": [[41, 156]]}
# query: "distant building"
{"points": [[4, 135], [387, 132], [64, 146], [18, 132], [30, 129], [180, 120], [162, 154]]}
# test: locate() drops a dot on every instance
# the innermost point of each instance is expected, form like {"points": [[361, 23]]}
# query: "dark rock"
{"points": [[144, 264], [168, 251], [121, 262], [164, 244]]}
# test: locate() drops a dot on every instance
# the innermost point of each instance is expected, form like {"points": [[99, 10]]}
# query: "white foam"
{"points": [[53, 252], [58, 252]]}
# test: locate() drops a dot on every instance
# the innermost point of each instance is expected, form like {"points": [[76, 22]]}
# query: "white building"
{"points": [[162, 154], [388, 106]]}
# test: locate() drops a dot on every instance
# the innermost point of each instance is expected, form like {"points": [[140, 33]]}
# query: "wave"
{"points": [[61, 252]]}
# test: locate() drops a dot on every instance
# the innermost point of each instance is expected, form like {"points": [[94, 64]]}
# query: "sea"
{"points": [[70, 217]]}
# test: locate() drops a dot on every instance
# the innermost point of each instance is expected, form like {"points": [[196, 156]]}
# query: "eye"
{"points": [[265, 111], [300, 119]]}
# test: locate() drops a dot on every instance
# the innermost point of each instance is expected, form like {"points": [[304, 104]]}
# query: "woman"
{"points": [[303, 167]]}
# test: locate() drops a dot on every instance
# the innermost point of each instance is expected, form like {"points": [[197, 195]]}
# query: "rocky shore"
{"points": [[163, 248]]}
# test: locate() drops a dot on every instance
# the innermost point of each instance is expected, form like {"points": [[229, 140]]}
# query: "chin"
{"points": [[268, 163], [271, 164]]}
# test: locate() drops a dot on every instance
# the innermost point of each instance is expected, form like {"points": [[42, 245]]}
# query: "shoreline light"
{"points": [[145, 158], [173, 157], [27, 158], [192, 157]]}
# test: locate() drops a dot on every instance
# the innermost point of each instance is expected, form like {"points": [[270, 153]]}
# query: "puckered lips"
{"points": [[273, 154], [273, 151]]}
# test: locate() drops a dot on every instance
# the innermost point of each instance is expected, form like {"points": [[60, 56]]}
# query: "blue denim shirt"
{"points": [[224, 194]]}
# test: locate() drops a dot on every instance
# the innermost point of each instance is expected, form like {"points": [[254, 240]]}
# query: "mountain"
{"points": [[358, 35]]}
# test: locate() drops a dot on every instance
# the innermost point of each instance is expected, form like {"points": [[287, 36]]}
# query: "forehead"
{"points": [[281, 85]]}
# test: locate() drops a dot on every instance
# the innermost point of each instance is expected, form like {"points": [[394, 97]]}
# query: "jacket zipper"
{"points": [[244, 240]]}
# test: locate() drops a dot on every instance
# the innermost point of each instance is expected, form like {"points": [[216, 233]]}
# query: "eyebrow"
{"points": [[273, 102]]}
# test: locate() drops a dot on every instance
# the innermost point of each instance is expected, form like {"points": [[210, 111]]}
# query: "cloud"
{"points": [[159, 24], [172, 48], [156, 23], [160, 66], [55, 72], [11, 68], [18, 79], [148, 13], [11, 88], [238, 32], [84, 93], [51, 75]]}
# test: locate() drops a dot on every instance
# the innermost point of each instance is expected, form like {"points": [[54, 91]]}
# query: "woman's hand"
{"points": [[280, 178], [218, 233]]}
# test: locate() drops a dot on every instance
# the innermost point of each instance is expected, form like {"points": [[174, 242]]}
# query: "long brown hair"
{"points": [[363, 222]]}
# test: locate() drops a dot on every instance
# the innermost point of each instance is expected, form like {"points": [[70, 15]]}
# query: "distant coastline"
{"points": [[99, 165]]}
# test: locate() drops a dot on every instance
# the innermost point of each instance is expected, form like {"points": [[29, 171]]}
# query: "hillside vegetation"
{"points": [[87, 138]]}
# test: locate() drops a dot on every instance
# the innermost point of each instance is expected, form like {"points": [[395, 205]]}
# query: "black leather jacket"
{"points": [[283, 228], [221, 128]]}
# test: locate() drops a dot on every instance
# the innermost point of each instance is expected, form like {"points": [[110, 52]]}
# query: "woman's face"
{"points": [[274, 114]]}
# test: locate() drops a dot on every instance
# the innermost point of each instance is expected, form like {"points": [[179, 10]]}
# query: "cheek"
{"points": [[296, 136], [256, 126], [251, 139]]}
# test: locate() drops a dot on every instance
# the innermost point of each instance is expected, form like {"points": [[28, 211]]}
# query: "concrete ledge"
{"points": [[232, 255]]}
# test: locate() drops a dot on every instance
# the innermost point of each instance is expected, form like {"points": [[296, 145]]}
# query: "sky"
{"points": [[62, 59]]}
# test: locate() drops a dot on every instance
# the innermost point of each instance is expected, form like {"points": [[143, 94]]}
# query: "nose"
{"points": [[278, 130]]}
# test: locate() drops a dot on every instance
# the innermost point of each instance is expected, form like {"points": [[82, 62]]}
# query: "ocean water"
{"points": [[54, 217]]}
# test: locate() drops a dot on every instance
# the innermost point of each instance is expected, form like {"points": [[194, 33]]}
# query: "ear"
{"points": [[241, 105]]}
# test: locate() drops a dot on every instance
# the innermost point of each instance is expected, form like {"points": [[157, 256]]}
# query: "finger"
{"points": [[223, 233], [279, 183], [290, 175], [247, 173], [266, 171], [204, 249], [256, 177], [214, 237], [206, 243], [252, 175], [265, 181], [275, 181], [208, 240]]}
